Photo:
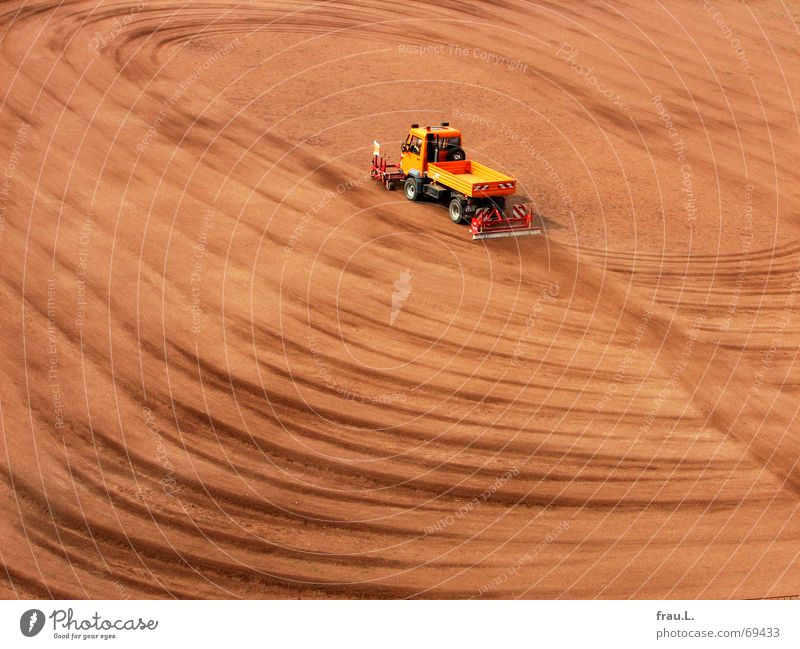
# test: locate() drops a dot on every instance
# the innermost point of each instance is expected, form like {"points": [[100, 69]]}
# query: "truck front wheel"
{"points": [[411, 189], [456, 210]]}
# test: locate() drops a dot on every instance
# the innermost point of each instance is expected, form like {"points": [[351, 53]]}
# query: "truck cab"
{"points": [[428, 144]]}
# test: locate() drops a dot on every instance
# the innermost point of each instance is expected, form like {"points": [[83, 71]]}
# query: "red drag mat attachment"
{"points": [[491, 223], [383, 170]]}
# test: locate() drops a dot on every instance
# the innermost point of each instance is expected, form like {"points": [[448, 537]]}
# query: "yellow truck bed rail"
{"points": [[472, 178]]}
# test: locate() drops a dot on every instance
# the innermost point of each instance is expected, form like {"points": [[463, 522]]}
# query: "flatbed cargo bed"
{"points": [[471, 178]]}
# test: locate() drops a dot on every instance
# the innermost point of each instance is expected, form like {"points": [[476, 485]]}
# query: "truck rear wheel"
{"points": [[456, 210], [411, 189]]}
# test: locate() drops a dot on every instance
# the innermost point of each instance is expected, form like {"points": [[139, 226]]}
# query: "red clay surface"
{"points": [[206, 390]]}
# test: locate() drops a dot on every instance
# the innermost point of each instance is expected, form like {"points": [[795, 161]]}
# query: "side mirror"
{"points": [[404, 148]]}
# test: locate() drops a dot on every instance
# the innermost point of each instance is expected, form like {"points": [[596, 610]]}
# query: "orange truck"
{"points": [[433, 164]]}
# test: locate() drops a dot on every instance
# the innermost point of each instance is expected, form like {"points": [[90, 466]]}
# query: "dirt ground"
{"points": [[233, 366]]}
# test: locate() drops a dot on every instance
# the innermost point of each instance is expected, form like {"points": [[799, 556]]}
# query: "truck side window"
{"points": [[415, 145]]}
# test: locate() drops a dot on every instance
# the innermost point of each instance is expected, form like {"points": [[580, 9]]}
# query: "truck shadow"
{"points": [[545, 223], [538, 218]]}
